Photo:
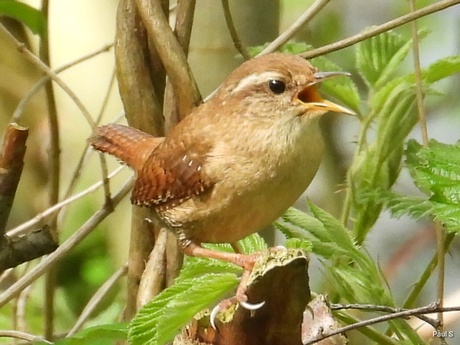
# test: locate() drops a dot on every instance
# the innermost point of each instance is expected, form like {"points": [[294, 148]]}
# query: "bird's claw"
{"points": [[250, 306], [245, 305]]}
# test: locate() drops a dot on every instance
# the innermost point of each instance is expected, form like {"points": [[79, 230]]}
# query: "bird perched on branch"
{"points": [[237, 162]]}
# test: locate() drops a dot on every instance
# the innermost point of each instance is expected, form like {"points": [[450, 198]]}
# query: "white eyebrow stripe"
{"points": [[256, 78]]}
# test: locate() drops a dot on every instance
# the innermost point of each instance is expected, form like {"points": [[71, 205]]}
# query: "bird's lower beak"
{"points": [[313, 101], [326, 105]]}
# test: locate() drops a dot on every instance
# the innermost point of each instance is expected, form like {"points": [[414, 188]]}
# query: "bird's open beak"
{"points": [[312, 99]]}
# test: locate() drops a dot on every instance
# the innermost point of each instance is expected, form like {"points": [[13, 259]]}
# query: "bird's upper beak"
{"points": [[312, 99]]}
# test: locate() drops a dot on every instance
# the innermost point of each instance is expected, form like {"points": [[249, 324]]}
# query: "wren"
{"points": [[237, 162]]}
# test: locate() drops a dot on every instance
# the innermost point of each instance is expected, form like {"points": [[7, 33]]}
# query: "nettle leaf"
{"points": [[436, 171], [441, 69], [161, 319], [448, 215], [33, 18], [373, 56], [343, 89], [253, 243], [401, 205], [297, 243], [297, 224]]}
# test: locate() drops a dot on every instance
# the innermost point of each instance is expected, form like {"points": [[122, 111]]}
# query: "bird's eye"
{"points": [[277, 86]]}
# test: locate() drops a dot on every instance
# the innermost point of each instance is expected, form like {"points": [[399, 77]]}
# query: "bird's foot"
{"points": [[239, 298]]}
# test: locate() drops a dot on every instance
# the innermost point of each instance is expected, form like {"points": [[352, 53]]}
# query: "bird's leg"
{"points": [[246, 261]]}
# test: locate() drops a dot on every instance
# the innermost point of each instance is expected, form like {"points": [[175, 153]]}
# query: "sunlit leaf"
{"points": [[161, 319], [26, 14]]}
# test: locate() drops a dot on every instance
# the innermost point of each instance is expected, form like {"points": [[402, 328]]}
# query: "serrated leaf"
{"points": [[436, 171], [448, 215], [441, 69], [336, 230], [24, 13], [297, 224], [396, 59], [373, 56], [297, 243], [437, 168], [253, 243], [400, 205], [307, 223], [195, 267], [161, 319]]}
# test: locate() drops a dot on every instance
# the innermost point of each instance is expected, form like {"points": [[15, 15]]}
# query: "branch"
{"points": [[171, 54], [94, 302], [17, 250], [308, 15], [21, 47], [22, 229], [65, 247], [11, 164], [431, 308], [233, 33], [374, 31], [24, 336]]}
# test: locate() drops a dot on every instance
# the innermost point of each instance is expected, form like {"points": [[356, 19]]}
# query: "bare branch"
{"points": [[171, 54], [97, 298], [233, 33], [65, 247], [308, 15], [374, 31], [21, 47], [24, 336], [11, 164]]}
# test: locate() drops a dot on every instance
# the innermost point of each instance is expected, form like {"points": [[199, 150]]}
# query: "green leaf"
{"points": [[400, 205], [448, 215], [441, 69], [98, 335], [26, 14], [252, 244], [342, 89], [161, 319], [380, 55], [297, 243], [436, 171]]}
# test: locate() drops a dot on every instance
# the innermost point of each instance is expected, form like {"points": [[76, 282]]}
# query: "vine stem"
{"points": [[425, 139]]}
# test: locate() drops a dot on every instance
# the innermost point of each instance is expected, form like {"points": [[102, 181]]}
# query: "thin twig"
{"points": [[39, 84], [382, 308], [374, 31], [417, 288], [21, 47], [97, 298], [424, 129], [233, 33], [431, 308], [308, 15], [21, 305], [24, 336], [54, 173], [65, 247], [21, 229]]}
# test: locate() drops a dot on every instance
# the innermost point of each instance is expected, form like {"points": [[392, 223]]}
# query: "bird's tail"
{"points": [[128, 144]]}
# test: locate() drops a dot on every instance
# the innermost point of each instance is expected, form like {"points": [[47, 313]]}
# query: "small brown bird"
{"points": [[237, 162]]}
